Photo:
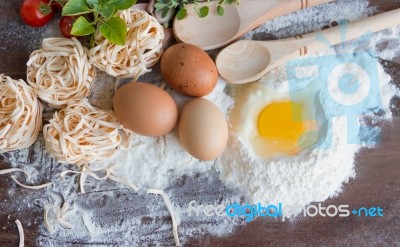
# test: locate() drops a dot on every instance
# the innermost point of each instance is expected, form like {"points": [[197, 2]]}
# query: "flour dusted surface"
{"points": [[110, 214]]}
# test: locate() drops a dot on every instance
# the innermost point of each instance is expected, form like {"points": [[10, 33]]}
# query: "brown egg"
{"points": [[145, 109], [203, 130], [189, 70]]}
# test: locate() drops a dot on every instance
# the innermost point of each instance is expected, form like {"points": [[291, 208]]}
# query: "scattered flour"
{"points": [[312, 19]]}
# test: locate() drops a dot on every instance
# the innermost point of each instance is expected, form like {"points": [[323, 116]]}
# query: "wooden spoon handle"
{"points": [[253, 13], [355, 30], [309, 43]]}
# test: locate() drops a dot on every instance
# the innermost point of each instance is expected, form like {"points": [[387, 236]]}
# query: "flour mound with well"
{"points": [[313, 176]]}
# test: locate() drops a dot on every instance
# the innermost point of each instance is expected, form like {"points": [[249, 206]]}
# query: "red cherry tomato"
{"points": [[36, 13], [66, 24]]}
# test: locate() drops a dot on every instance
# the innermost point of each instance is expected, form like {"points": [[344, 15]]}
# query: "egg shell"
{"points": [[145, 109], [189, 70], [203, 130]]}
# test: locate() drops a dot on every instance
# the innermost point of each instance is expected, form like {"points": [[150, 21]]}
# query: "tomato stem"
{"points": [[44, 8]]}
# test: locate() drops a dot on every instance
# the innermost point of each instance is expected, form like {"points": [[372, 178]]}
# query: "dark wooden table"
{"points": [[377, 182]]}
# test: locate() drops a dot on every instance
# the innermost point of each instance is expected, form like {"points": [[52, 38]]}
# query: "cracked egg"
{"points": [[273, 123]]}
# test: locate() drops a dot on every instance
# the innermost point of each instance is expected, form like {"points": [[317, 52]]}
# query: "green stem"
{"points": [[96, 18]]}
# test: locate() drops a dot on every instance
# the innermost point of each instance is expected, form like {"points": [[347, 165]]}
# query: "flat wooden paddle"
{"points": [[249, 60], [215, 31]]}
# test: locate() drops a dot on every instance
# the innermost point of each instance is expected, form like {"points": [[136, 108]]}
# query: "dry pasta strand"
{"points": [[49, 228], [32, 187], [60, 213], [169, 206], [108, 175], [90, 173], [82, 180], [21, 233]]}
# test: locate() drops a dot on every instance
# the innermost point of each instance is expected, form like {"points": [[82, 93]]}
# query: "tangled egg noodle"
{"points": [[60, 72], [81, 134], [20, 115], [142, 50]]}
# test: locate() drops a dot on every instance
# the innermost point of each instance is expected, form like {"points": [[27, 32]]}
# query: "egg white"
{"points": [[250, 100]]}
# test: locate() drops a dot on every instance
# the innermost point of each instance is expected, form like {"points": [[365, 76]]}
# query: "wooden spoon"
{"points": [[216, 31], [249, 60]]}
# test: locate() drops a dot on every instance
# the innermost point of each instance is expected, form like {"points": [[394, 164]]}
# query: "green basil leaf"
{"points": [[220, 10], [122, 4], [203, 12], [159, 5], [82, 27], [75, 7], [182, 13], [92, 3], [230, 1], [221, 2], [114, 30], [107, 11]]}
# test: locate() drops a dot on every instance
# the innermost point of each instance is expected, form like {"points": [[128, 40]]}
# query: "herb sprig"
{"points": [[166, 5], [99, 14]]}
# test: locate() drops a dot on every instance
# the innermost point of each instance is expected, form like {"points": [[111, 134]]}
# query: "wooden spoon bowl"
{"points": [[241, 60], [215, 31]]}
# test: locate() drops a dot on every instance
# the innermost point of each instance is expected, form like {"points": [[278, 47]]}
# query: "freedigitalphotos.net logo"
{"points": [[347, 86], [251, 211]]}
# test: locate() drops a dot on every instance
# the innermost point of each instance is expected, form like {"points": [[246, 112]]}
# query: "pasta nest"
{"points": [[20, 115], [81, 134], [60, 72], [142, 50]]}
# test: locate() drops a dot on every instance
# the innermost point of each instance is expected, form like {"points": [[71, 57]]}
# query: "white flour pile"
{"points": [[312, 176], [109, 214]]}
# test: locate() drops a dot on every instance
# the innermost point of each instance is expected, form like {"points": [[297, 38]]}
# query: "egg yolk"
{"points": [[282, 124]]}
